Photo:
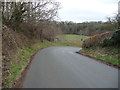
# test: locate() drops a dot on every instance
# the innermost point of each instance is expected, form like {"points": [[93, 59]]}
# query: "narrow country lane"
{"points": [[61, 67]]}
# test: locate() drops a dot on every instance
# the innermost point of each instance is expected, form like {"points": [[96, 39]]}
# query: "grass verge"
{"points": [[22, 58], [108, 55]]}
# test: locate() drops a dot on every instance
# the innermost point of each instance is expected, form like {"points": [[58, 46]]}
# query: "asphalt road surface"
{"points": [[61, 67]]}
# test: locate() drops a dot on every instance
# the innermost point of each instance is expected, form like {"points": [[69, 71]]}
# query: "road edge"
{"points": [[18, 82], [99, 60]]}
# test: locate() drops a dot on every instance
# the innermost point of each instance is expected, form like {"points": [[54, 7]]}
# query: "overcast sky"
{"points": [[87, 10]]}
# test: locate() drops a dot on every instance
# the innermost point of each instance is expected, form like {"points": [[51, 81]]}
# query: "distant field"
{"points": [[72, 37]]}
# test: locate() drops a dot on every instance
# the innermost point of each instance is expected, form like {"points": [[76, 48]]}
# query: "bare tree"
{"points": [[18, 14], [115, 21]]}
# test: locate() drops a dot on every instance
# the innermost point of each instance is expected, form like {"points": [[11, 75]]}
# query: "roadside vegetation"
{"points": [[107, 49], [106, 54]]}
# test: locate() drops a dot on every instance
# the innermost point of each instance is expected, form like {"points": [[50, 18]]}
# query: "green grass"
{"points": [[22, 57], [62, 43], [108, 59], [106, 54], [72, 37]]}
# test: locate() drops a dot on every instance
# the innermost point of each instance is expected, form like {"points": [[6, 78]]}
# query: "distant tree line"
{"points": [[90, 28]]}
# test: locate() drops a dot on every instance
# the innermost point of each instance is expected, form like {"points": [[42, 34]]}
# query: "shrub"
{"points": [[114, 40], [106, 42]]}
